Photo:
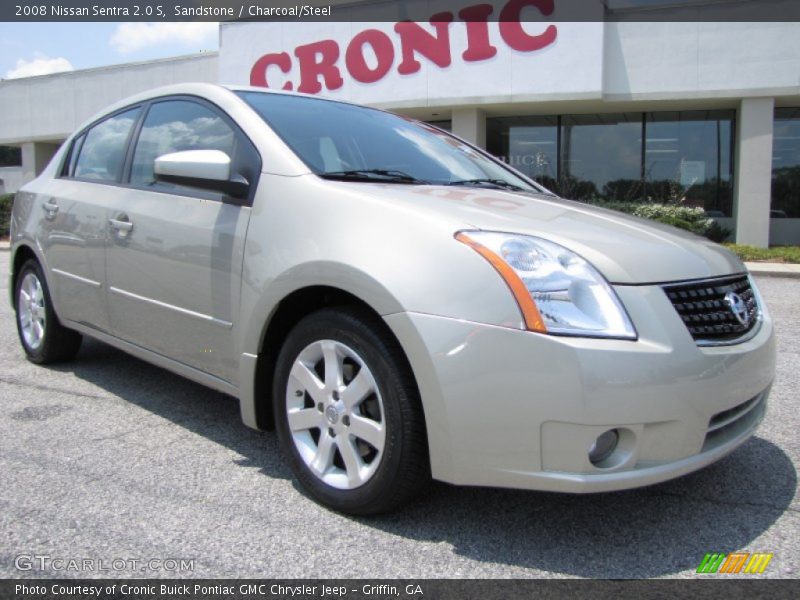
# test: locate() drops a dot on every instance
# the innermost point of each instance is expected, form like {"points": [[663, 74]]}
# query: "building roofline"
{"points": [[118, 66]]}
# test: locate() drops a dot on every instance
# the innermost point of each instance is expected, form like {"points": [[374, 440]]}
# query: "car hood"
{"points": [[626, 249]]}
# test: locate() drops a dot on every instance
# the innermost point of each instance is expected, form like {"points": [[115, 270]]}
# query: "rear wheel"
{"points": [[43, 337], [348, 413]]}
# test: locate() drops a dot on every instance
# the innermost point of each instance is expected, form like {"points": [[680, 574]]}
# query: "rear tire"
{"points": [[43, 337], [348, 413]]}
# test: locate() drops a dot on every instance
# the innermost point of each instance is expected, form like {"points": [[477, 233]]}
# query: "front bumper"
{"points": [[510, 408]]}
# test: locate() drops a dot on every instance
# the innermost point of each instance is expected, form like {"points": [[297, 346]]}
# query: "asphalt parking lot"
{"points": [[110, 458]]}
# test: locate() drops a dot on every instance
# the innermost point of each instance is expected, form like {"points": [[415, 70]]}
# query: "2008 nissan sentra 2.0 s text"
{"points": [[397, 303]]}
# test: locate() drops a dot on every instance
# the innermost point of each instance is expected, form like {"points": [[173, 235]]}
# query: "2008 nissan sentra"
{"points": [[397, 303]]}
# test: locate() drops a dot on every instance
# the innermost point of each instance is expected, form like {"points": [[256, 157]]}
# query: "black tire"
{"points": [[404, 468], [57, 343]]}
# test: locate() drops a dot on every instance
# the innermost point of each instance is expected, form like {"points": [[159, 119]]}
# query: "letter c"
{"points": [[513, 33], [258, 74]]}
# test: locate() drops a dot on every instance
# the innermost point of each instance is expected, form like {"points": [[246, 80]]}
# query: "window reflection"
{"points": [[601, 157], [174, 126], [103, 150], [666, 157], [529, 144], [688, 159], [331, 137], [786, 164]]}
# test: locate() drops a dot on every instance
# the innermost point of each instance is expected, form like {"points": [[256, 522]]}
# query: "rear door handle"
{"points": [[51, 208], [122, 226]]}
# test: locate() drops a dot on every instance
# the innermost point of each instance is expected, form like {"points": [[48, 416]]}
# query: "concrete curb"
{"points": [[4, 246], [774, 269]]}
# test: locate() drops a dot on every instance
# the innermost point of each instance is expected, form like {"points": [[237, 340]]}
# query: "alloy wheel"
{"points": [[335, 414], [31, 311]]}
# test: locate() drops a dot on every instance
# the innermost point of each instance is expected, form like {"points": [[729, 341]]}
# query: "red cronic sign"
{"points": [[320, 63]]}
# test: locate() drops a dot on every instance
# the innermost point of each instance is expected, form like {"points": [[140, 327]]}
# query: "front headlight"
{"points": [[557, 290]]}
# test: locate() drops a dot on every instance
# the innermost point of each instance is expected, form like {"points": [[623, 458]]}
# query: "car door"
{"points": [[73, 230], [175, 257]]}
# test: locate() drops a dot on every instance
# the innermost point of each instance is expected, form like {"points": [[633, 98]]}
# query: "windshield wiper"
{"points": [[385, 175], [501, 183]]}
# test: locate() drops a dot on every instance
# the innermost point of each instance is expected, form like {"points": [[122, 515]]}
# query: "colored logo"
{"points": [[737, 562], [370, 55], [738, 308]]}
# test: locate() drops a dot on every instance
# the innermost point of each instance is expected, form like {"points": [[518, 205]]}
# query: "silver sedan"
{"points": [[396, 302]]}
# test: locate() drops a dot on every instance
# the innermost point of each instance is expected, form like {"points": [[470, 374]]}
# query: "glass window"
{"points": [[10, 156], [446, 125], [664, 157], [338, 140], [786, 164], [103, 150], [529, 144], [174, 126], [601, 157], [688, 159]]}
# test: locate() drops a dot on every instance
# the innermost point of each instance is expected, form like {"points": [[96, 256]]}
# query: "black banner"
{"points": [[405, 589], [396, 10]]}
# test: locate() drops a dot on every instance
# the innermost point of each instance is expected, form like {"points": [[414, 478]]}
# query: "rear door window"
{"points": [[102, 154]]}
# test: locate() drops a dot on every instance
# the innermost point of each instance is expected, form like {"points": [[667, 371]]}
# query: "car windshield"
{"points": [[354, 143]]}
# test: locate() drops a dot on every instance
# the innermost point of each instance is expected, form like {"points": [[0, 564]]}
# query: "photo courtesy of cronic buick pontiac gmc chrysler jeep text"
{"points": [[397, 303]]}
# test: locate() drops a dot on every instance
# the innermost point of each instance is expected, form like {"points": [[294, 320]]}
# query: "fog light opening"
{"points": [[603, 447]]}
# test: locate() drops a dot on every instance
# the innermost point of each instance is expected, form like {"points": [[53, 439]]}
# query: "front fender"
{"points": [[319, 273]]}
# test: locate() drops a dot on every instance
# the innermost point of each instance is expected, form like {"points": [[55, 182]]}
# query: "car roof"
{"points": [[216, 93]]}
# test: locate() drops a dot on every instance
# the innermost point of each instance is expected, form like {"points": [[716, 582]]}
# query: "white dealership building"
{"points": [[702, 113]]}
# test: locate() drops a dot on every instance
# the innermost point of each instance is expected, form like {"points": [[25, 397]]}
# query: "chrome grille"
{"points": [[708, 316]]}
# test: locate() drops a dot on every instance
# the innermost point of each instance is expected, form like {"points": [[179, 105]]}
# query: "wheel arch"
{"points": [[292, 308], [19, 256]]}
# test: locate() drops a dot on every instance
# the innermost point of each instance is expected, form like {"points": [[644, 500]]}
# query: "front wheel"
{"points": [[348, 413], [43, 337]]}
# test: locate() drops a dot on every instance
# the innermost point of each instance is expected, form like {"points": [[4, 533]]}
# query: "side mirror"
{"points": [[205, 169]]}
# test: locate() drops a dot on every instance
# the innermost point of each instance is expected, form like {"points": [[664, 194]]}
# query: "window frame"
{"points": [[538, 188], [79, 139], [243, 144], [71, 154]]}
